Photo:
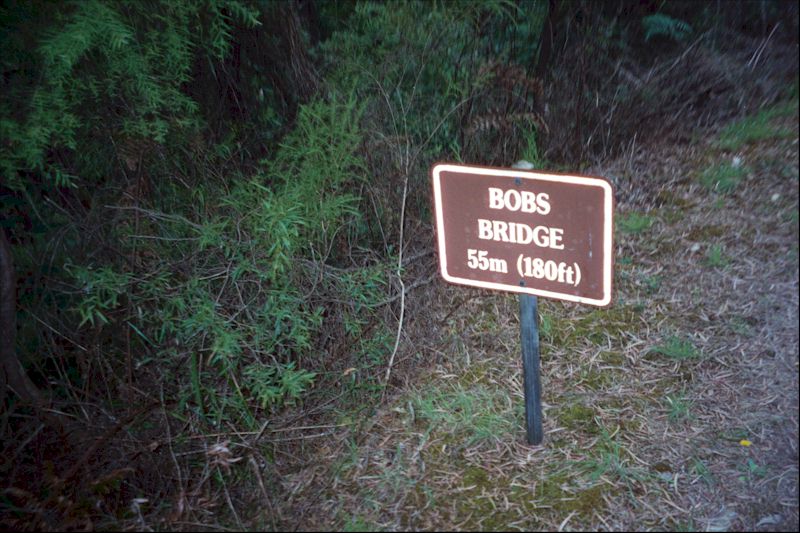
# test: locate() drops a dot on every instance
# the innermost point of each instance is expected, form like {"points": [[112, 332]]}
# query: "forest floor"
{"points": [[675, 408]]}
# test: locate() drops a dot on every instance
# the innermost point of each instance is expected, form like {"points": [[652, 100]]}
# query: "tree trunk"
{"points": [[546, 40]]}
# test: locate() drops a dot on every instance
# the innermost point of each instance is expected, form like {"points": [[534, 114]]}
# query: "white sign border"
{"points": [[608, 218]]}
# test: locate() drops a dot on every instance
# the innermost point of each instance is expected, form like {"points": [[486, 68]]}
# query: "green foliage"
{"points": [[531, 152], [288, 213], [752, 470], [101, 289], [259, 231], [126, 60], [661, 24], [700, 469], [419, 66], [652, 284], [206, 263], [609, 459], [357, 524]]}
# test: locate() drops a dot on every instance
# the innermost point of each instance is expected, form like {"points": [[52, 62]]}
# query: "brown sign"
{"points": [[523, 231]]}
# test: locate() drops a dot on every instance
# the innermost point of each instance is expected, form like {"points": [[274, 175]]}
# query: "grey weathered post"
{"points": [[529, 333], [529, 329]]}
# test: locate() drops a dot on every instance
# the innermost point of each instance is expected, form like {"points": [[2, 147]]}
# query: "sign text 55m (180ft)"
{"points": [[527, 267]]}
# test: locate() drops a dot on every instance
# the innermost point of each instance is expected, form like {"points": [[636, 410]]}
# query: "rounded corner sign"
{"points": [[539, 233]]}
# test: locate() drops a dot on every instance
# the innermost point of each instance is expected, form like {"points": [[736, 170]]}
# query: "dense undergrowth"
{"points": [[217, 210]]}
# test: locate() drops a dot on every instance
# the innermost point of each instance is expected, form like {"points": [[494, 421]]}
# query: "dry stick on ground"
{"points": [[406, 166], [402, 285]]}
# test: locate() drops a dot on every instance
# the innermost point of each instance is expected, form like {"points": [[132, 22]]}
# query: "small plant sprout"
{"points": [[678, 408], [715, 256]]}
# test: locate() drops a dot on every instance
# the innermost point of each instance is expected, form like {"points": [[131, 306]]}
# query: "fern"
{"points": [[660, 24]]}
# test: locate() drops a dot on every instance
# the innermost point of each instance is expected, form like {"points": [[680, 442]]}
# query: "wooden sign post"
{"points": [[535, 233], [532, 385]]}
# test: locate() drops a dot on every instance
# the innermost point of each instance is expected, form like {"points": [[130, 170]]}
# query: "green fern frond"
{"points": [[660, 24]]}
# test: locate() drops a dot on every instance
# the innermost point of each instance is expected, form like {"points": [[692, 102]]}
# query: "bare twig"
{"points": [[402, 285], [760, 50], [260, 480]]}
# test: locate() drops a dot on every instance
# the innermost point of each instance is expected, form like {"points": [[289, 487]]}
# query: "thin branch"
{"points": [[402, 285]]}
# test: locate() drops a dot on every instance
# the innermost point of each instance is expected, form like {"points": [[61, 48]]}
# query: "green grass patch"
{"points": [[577, 417], [634, 223], [595, 327], [613, 358], [469, 415], [678, 408], [735, 434], [677, 348], [741, 326], [752, 471], [793, 217], [723, 178], [596, 379], [609, 459], [758, 127], [357, 524], [700, 469], [652, 284], [553, 492], [715, 256]]}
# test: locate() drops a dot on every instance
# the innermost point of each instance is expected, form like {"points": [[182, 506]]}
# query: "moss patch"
{"points": [[577, 416], [706, 233], [597, 325], [596, 379], [483, 507], [613, 358], [584, 502]]}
